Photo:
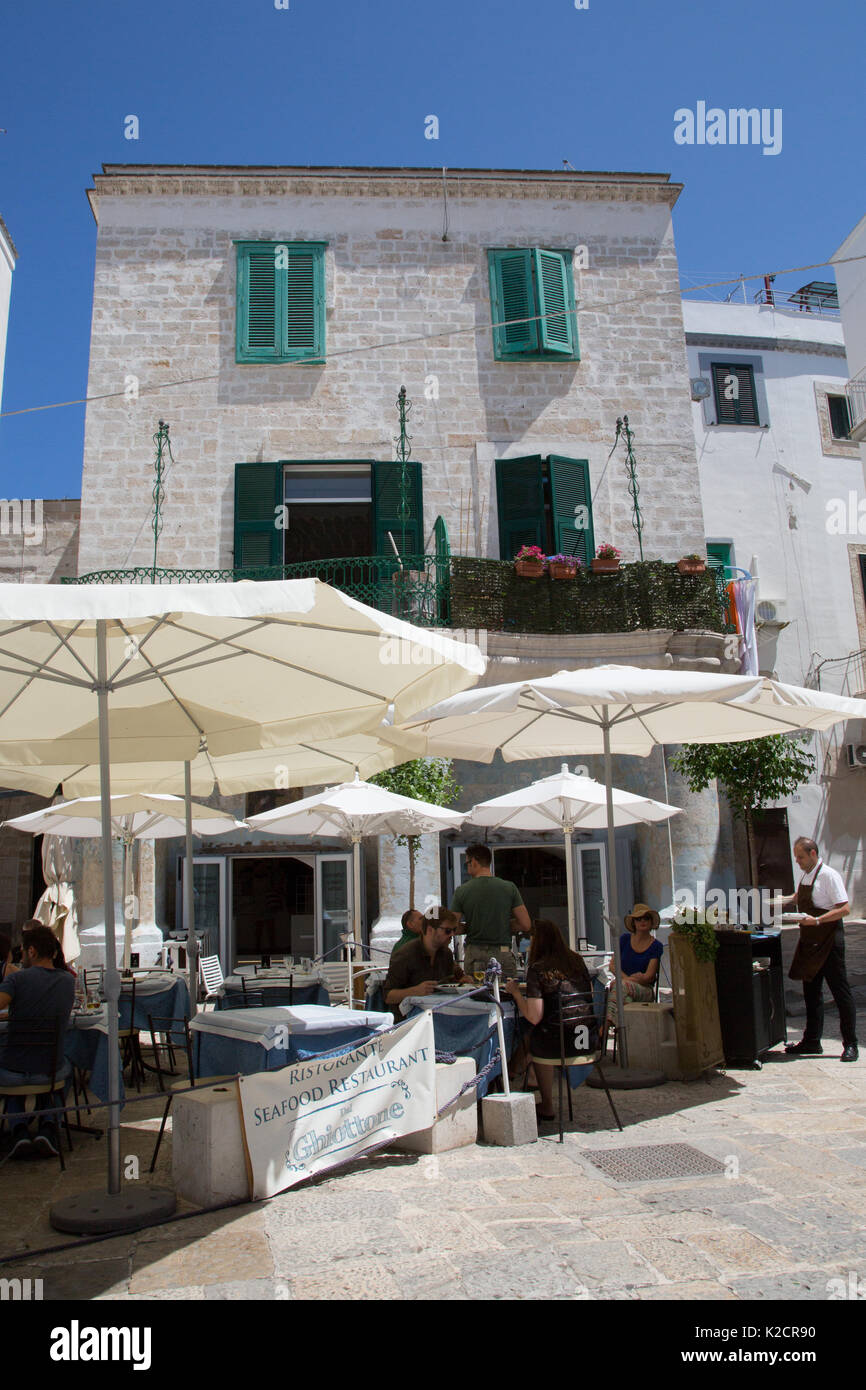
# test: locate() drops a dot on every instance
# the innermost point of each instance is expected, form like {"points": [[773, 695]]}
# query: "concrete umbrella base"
{"points": [[102, 1213]]}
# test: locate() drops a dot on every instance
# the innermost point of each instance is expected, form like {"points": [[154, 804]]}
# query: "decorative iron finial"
{"points": [[162, 443], [404, 451], [622, 428]]}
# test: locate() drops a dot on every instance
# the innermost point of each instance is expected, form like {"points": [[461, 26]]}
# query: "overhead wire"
{"points": [[474, 329]]}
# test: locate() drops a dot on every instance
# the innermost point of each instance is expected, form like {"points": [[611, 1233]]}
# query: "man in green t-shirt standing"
{"points": [[487, 904]]}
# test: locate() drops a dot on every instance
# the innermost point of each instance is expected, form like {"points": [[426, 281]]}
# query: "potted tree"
{"points": [[530, 562], [692, 564], [607, 559], [563, 566]]}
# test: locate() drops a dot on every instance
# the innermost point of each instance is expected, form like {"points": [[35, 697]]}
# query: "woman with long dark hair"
{"points": [[7, 965], [557, 980]]}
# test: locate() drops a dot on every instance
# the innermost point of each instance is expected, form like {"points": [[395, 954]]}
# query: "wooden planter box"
{"points": [[605, 566], [561, 571], [696, 1009], [691, 566], [529, 569]]}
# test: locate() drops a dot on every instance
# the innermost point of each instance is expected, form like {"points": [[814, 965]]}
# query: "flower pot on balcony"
{"points": [[529, 569], [560, 571], [605, 566], [691, 566]]}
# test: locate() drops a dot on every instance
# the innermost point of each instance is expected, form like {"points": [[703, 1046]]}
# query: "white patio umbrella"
{"points": [[130, 673], [351, 811], [567, 802], [139, 816], [615, 709]]}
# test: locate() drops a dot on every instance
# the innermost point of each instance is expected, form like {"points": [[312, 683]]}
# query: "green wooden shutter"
{"points": [[569, 489], [512, 298], [743, 410], [305, 304], [258, 493], [408, 533], [259, 331], [520, 502], [554, 301]]}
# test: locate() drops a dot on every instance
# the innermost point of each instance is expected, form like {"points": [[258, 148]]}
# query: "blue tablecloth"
{"points": [[233, 997], [169, 1002], [215, 1054], [87, 1048], [460, 1025]]}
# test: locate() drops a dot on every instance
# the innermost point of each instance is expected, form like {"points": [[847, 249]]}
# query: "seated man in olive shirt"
{"points": [[418, 967]]}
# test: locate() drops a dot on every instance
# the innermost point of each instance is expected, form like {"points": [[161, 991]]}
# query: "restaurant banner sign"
{"points": [[315, 1115]]}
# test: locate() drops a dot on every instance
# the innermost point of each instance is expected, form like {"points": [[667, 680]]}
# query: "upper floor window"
{"points": [[280, 301], [545, 502], [735, 395], [840, 417], [532, 302]]}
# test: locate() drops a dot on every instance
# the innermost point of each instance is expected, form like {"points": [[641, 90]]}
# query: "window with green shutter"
{"points": [[405, 524], [532, 304], [545, 502], [280, 301], [258, 500], [734, 389]]}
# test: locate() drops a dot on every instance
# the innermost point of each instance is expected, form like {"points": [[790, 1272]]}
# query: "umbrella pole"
{"points": [[569, 883], [112, 979], [612, 884], [356, 914], [98, 1213], [188, 898], [127, 915]]}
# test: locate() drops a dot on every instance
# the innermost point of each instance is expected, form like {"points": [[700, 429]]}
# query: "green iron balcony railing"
{"points": [[460, 592], [415, 587]]}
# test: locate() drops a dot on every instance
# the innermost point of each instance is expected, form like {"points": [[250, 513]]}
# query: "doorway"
{"points": [[273, 905], [773, 851]]}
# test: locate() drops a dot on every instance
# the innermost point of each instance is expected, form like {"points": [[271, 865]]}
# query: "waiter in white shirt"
{"points": [[820, 953]]}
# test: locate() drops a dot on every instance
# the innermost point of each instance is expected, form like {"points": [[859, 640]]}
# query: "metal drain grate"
{"points": [[645, 1162]]}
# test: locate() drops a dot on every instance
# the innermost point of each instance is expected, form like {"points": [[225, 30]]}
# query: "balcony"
{"points": [[472, 594], [857, 407]]}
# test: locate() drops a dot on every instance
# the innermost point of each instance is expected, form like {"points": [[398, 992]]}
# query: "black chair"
{"points": [[570, 1018], [251, 998], [45, 1037], [177, 1031], [129, 1038]]}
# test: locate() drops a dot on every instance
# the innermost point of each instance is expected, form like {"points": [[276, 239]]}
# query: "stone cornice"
{"points": [[737, 341], [171, 181]]}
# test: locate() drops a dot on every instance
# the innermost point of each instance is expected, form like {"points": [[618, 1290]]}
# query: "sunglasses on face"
{"points": [[644, 917]]}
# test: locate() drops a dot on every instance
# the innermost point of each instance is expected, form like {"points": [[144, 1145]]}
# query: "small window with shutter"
{"points": [[532, 304], [280, 301], [734, 390], [545, 502]]}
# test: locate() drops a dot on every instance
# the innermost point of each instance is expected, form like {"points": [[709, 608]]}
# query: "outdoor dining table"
{"points": [[277, 987], [157, 992], [461, 1026], [247, 1041], [86, 1047]]}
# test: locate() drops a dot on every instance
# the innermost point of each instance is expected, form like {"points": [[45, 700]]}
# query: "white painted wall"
{"points": [[851, 281], [771, 491]]}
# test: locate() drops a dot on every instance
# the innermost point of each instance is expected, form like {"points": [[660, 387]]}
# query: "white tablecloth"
{"points": [[268, 1027]]}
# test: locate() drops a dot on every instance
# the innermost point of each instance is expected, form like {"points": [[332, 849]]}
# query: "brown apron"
{"points": [[816, 942]]}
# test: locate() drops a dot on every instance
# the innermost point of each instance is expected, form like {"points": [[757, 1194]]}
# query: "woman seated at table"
{"points": [[640, 955], [557, 979], [418, 967]]}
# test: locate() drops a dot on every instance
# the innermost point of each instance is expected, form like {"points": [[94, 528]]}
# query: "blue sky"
{"points": [[343, 82]]}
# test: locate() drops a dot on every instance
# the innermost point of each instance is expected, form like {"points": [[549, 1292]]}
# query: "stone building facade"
{"points": [[413, 276]]}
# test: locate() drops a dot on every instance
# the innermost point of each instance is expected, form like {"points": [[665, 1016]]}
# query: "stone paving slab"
{"points": [[539, 1222]]}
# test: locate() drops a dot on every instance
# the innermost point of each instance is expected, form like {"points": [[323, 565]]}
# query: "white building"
{"points": [[780, 480]]}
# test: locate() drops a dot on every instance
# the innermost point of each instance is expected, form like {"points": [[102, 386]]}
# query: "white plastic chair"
{"points": [[212, 974]]}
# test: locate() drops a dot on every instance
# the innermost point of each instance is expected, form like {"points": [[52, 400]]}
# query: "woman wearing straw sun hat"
{"points": [[640, 954]]}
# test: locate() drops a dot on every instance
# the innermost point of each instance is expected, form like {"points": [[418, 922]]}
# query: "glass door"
{"points": [[333, 902], [209, 905], [591, 889]]}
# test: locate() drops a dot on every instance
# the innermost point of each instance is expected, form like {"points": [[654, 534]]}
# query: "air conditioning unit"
{"points": [[857, 754], [700, 388], [772, 611]]}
